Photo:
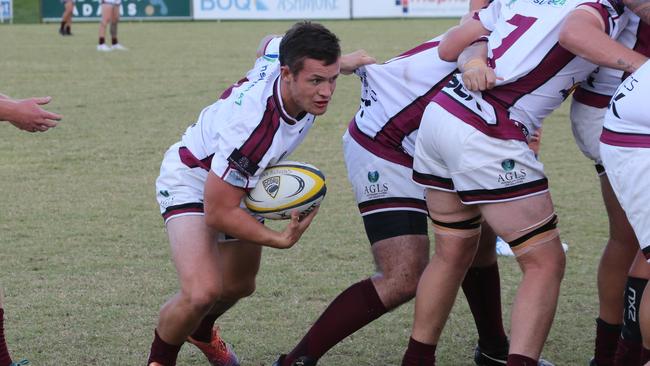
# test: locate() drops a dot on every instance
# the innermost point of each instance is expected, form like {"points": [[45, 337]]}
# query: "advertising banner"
{"points": [[6, 11], [409, 8], [129, 10], [272, 9]]}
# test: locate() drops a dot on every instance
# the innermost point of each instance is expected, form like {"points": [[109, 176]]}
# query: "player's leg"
{"points": [[629, 347], [529, 227], [613, 269], [114, 22], [107, 15], [67, 17], [394, 216], [206, 283], [457, 230], [482, 289]]}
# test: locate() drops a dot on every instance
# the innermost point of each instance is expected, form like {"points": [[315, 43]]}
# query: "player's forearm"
{"points": [[477, 51], [241, 225], [584, 37], [460, 37], [7, 109], [640, 8]]}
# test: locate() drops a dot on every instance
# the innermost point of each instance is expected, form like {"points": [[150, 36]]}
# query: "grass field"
{"points": [[85, 259]]}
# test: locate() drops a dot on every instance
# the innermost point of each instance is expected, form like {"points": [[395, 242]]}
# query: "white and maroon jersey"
{"points": [[599, 87], [248, 129], [393, 98], [537, 73], [627, 122]]}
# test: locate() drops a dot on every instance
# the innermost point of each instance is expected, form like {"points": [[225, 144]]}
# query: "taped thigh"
{"points": [[463, 229], [538, 233]]}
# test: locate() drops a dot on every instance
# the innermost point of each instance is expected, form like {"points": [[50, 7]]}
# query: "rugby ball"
{"points": [[286, 187]]}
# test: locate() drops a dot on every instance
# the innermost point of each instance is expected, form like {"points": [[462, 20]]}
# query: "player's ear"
{"points": [[286, 73]]}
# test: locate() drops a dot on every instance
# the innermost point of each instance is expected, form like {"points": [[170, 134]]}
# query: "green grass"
{"points": [[85, 259]]}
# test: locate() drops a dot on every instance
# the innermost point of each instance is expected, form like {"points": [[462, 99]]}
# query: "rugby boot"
{"points": [[218, 352], [300, 361], [20, 363], [498, 358]]}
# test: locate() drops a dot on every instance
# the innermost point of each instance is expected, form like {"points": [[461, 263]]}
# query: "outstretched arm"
{"points": [[583, 34], [354, 60], [26, 114]]}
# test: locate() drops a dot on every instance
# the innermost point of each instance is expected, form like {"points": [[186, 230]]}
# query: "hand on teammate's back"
{"points": [[27, 115], [479, 77], [354, 60]]}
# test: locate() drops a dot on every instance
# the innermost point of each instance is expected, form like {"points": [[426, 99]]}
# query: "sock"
{"points": [[5, 360], [62, 26], [606, 339], [419, 354], [628, 349], [102, 40], [163, 352], [355, 307], [114, 40], [520, 360], [482, 289], [68, 30], [204, 331]]}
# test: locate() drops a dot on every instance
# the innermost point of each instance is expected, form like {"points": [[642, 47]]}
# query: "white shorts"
{"points": [[587, 125], [628, 170], [179, 188], [452, 156], [380, 185], [112, 2]]}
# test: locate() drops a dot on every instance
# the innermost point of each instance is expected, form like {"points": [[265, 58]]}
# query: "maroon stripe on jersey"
{"points": [[259, 142], [226, 93], [554, 61], [590, 98], [196, 207], [387, 143], [278, 104], [433, 180], [614, 138], [507, 193], [396, 156], [393, 202], [505, 128], [423, 47], [192, 161]]}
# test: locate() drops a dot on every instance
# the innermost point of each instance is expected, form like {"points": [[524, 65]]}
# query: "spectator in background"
{"points": [[66, 18], [110, 14]]}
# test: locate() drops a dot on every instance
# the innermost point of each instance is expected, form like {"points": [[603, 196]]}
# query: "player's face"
{"points": [[311, 89]]}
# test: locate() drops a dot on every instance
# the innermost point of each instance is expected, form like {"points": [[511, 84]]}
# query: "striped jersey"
{"points": [[536, 73], [247, 129], [599, 87], [393, 98], [627, 121]]}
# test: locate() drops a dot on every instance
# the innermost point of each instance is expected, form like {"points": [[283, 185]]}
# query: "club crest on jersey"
{"points": [[508, 165], [373, 177], [272, 185]]}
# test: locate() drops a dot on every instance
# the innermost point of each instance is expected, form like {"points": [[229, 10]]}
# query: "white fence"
{"points": [[326, 9]]}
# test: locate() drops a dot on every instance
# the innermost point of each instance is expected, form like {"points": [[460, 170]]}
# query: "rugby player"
{"points": [[618, 338], [110, 15], [471, 154], [378, 149], [216, 242]]}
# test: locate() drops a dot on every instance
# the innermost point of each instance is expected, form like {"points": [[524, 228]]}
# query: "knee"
{"points": [[401, 285], [201, 299]]}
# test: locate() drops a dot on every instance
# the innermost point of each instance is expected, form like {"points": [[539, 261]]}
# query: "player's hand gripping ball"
{"points": [[286, 187]]}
